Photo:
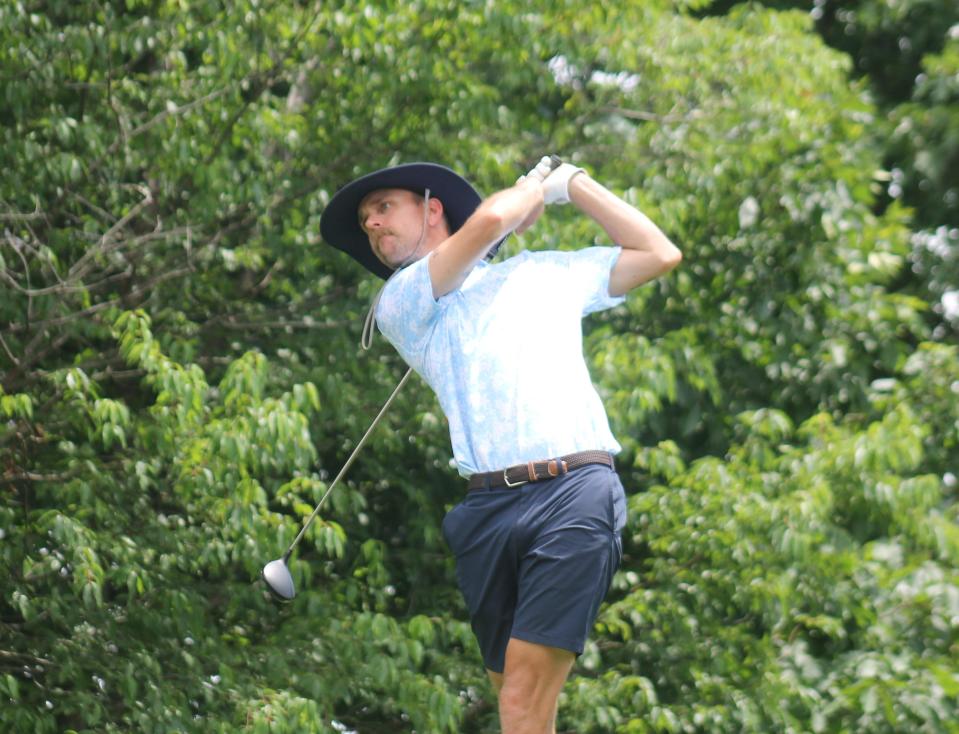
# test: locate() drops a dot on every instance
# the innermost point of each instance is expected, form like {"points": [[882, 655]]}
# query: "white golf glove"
{"points": [[556, 183], [541, 170], [555, 176]]}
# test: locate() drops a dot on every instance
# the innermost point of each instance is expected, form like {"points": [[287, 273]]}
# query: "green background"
{"points": [[181, 373]]}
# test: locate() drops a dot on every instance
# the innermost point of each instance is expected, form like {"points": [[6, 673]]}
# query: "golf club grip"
{"points": [[346, 466], [554, 162]]}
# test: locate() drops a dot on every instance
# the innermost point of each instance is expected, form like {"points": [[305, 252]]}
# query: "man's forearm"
{"points": [[624, 223], [647, 252], [505, 211]]}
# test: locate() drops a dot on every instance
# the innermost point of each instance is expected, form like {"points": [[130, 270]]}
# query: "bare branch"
{"points": [[265, 281], [110, 101], [13, 359], [29, 476], [18, 244], [62, 288], [13, 655], [68, 318], [102, 212], [13, 216], [304, 323], [117, 374], [652, 116], [79, 268], [157, 119]]}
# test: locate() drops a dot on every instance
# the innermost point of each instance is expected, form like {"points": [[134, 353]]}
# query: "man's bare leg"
{"points": [[529, 687]]}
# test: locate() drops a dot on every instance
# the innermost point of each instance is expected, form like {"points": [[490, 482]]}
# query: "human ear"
{"points": [[436, 211]]}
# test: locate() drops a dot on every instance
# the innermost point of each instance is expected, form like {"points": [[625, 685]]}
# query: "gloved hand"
{"points": [[556, 183], [541, 170], [555, 176]]}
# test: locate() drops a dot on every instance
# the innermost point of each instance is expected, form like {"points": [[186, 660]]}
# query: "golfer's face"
{"points": [[392, 219]]}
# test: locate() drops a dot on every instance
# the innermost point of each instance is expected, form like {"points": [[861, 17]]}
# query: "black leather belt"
{"points": [[535, 471]]}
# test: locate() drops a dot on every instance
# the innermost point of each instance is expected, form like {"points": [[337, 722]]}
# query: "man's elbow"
{"points": [[635, 267], [663, 255], [670, 256]]}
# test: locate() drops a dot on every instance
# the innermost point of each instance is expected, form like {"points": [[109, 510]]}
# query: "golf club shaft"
{"points": [[349, 461]]}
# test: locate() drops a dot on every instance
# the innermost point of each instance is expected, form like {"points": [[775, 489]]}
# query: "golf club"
{"points": [[276, 573]]}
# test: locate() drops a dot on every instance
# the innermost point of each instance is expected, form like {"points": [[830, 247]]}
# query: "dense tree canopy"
{"points": [[182, 375]]}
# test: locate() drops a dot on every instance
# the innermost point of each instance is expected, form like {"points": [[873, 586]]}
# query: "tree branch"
{"points": [[652, 116], [29, 476], [13, 216], [13, 655], [79, 268]]}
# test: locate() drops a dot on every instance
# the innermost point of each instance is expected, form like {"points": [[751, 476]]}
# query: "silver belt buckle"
{"points": [[513, 484]]}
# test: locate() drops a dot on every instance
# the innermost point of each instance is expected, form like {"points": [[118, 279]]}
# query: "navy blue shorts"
{"points": [[534, 562]]}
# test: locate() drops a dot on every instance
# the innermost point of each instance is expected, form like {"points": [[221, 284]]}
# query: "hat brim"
{"points": [[340, 224]]}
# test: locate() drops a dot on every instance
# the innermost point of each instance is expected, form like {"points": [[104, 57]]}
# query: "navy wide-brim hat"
{"points": [[340, 223]]}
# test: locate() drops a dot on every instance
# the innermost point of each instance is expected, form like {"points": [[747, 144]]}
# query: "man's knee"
{"points": [[531, 685], [516, 702]]}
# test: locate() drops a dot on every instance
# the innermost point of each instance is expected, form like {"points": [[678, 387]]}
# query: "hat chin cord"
{"points": [[369, 323]]}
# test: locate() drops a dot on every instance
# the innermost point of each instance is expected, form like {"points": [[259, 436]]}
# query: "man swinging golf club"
{"points": [[537, 535]]}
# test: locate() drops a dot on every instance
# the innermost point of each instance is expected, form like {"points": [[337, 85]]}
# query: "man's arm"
{"points": [[512, 209], [647, 252]]}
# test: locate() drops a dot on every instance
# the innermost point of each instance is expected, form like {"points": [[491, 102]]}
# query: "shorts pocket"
{"points": [[617, 504], [448, 528]]}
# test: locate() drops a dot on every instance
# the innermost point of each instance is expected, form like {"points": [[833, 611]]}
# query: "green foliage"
{"points": [[924, 133], [143, 550], [803, 583], [181, 378]]}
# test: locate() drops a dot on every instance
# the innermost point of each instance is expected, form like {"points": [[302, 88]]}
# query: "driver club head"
{"points": [[279, 580], [276, 574]]}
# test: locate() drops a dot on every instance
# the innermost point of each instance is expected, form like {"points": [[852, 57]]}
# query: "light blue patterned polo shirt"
{"points": [[504, 353]]}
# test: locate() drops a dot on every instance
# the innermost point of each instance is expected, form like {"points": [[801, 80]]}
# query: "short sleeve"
{"points": [[590, 269], [407, 311]]}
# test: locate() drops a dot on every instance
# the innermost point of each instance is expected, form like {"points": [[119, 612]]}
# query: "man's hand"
{"points": [[542, 169], [555, 176], [556, 183], [533, 181]]}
